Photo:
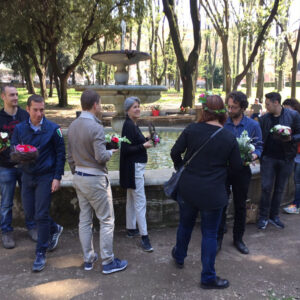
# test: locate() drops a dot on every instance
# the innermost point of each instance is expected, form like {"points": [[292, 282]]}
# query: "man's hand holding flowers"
{"points": [[246, 148]]}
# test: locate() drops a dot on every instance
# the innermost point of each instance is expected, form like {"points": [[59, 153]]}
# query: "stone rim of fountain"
{"points": [[121, 57]]}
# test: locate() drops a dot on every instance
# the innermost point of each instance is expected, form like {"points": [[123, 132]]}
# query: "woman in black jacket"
{"points": [[133, 159], [202, 185]]}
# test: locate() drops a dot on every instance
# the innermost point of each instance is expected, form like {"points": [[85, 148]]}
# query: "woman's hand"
{"points": [[148, 144]]}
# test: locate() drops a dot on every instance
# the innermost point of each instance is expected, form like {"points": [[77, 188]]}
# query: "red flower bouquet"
{"points": [[24, 154], [114, 141]]}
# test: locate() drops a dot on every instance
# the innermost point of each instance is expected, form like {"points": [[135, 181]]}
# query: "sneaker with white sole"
{"points": [[276, 222], [115, 266], [292, 209], [54, 238], [145, 243], [39, 263], [262, 223], [90, 265]]}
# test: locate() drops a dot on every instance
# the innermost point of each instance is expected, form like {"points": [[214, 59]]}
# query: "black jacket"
{"points": [[8, 124], [289, 118], [131, 153], [203, 181]]}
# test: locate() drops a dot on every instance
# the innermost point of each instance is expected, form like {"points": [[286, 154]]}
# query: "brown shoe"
{"points": [[8, 240]]}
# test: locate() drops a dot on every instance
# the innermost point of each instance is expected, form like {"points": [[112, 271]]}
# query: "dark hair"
{"points": [[273, 97], [88, 99], [212, 104], [35, 98], [293, 103], [238, 97], [3, 87]]}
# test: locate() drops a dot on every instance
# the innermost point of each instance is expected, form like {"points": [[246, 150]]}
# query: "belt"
{"points": [[84, 174]]}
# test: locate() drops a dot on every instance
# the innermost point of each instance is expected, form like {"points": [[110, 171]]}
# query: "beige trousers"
{"points": [[94, 194]]}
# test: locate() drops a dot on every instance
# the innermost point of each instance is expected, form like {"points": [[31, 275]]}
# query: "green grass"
{"points": [[170, 97]]}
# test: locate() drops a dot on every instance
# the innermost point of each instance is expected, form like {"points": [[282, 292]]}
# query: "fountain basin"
{"points": [[116, 95], [121, 57]]}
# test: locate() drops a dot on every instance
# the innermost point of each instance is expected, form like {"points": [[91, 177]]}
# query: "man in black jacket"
{"points": [[10, 116], [277, 159]]}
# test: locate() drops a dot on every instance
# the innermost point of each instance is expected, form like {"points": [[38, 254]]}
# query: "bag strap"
{"points": [[202, 146]]}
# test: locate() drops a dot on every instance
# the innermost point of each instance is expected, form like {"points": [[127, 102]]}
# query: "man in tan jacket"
{"points": [[87, 157]]}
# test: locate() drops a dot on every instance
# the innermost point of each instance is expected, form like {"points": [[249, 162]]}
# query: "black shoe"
{"points": [[240, 245], [219, 245], [177, 264], [218, 283]]}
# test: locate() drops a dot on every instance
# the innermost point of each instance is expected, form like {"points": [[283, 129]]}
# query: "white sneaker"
{"points": [[292, 209]]}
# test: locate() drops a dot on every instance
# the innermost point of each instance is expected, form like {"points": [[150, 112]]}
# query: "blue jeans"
{"points": [[36, 196], [273, 172], [8, 180], [210, 220], [297, 184]]}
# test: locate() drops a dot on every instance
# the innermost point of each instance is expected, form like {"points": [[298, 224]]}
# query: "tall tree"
{"points": [[220, 21], [187, 67]]}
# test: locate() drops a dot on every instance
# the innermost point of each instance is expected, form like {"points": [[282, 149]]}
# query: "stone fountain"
{"points": [[116, 94]]}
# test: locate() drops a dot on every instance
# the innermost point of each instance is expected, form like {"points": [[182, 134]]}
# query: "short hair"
{"points": [[129, 101], [88, 99], [293, 103], [3, 87], [35, 98], [213, 103], [273, 96], [238, 97]]}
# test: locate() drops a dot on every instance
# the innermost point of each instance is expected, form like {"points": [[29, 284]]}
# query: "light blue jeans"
{"points": [[8, 180]]}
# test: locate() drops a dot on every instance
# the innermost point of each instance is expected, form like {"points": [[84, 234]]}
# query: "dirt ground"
{"points": [[270, 271]]}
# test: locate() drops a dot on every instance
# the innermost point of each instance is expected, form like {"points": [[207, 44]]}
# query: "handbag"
{"points": [[171, 186]]}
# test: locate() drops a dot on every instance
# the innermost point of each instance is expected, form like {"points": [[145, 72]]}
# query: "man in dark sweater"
{"points": [[10, 116], [277, 159], [240, 181]]}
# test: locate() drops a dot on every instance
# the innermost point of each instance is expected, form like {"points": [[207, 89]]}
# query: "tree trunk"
{"points": [[261, 75], [281, 63], [63, 94], [249, 76], [51, 84], [177, 80], [238, 54], [226, 64], [138, 47], [294, 75], [188, 85], [41, 72]]}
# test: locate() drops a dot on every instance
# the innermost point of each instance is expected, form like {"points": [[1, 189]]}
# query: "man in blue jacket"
{"points": [[240, 181], [277, 161], [41, 178]]}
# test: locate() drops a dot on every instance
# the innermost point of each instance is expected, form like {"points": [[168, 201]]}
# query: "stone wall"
{"points": [[160, 210]]}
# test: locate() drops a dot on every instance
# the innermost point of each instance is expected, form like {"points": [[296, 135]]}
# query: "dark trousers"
{"points": [[210, 220], [240, 185], [36, 196], [273, 172], [297, 184]]}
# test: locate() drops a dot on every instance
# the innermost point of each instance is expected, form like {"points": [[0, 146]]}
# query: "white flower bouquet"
{"points": [[281, 132], [246, 147], [4, 140]]}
